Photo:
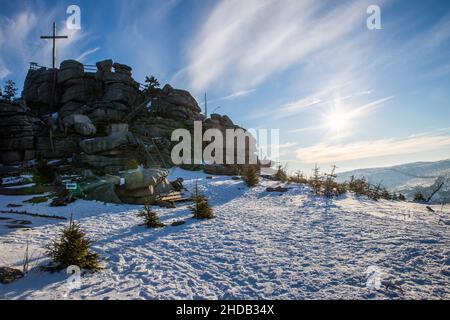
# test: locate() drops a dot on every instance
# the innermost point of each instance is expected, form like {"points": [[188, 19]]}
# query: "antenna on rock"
{"points": [[206, 106]]}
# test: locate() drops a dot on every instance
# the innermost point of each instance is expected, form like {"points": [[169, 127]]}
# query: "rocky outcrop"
{"points": [[141, 186], [80, 123], [120, 93], [41, 92], [176, 104], [8, 275], [17, 138], [216, 121], [103, 122], [222, 123]]}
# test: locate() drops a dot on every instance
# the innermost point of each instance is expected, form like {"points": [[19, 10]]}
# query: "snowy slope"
{"points": [[261, 245]]}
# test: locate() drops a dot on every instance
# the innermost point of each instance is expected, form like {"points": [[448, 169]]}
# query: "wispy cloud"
{"points": [[367, 108], [231, 96], [14, 33], [248, 41], [237, 94], [439, 33], [335, 153], [4, 71], [305, 129], [20, 43], [82, 56]]}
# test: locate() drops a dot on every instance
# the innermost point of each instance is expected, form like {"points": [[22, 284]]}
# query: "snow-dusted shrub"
{"points": [[151, 219], [299, 177], [44, 174], [358, 186], [332, 188], [201, 208], [73, 248], [419, 197], [281, 174], [250, 177], [315, 181]]}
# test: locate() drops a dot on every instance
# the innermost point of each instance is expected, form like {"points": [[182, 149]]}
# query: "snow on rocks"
{"points": [[261, 245]]}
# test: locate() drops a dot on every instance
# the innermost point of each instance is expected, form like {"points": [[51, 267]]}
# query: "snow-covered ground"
{"points": [[260, 245]]}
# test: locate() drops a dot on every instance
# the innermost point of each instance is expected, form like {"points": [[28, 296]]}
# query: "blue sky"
{"points": [[339, 92]]}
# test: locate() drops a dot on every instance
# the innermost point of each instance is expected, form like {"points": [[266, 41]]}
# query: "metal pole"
{"points": [[54, 44], [206, 106]]}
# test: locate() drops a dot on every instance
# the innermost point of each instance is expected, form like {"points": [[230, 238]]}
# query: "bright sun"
{"points": [[337, 121]]}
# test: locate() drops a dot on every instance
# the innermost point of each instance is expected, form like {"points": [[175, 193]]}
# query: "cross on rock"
{"points": [[54, 37]]}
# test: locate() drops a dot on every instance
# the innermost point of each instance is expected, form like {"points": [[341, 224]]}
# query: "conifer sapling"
{"points": [[151, 219], [201, 208], [73, 248], [251, 177]]}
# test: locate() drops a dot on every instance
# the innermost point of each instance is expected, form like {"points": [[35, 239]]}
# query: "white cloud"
{"points": [[231, 96], [246, 41], [20, 40], [237, 94], [336, 153], [439, 33], [14, 33], [4, 72], [82, 56]]}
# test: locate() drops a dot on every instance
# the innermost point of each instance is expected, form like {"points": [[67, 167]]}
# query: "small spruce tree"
{"points": [[401, 197], [251, 177], [201, 208], [315, 181], [151, 83], [419, 197], [299, 177], [44, 173], [73, 248], [151, 219], [10, 90], [281, 174], [358, 186], [330, 185]]}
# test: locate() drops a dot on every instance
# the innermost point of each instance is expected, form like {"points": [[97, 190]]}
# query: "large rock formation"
{"points": [[102, 121], [17, 141], [40, 91]]}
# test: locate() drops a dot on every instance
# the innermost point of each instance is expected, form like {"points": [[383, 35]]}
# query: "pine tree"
{"points": [[359, 186], [201, 208], [151, 219], [73, 248], [151, 83], [401, 197], [281, 174], [44, 173], [419, 197], [315, 181], [299, 177], [10, 90], [385, 194], [251, 177], [330, 184]]}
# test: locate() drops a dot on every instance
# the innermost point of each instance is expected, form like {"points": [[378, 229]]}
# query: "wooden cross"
{"points": [[54, 37]]}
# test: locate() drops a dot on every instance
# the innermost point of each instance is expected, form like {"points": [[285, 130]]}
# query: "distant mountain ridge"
{"points": [[406, 178]]}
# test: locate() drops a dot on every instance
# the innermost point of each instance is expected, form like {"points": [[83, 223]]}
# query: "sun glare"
{"points": [[337, 121]]}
